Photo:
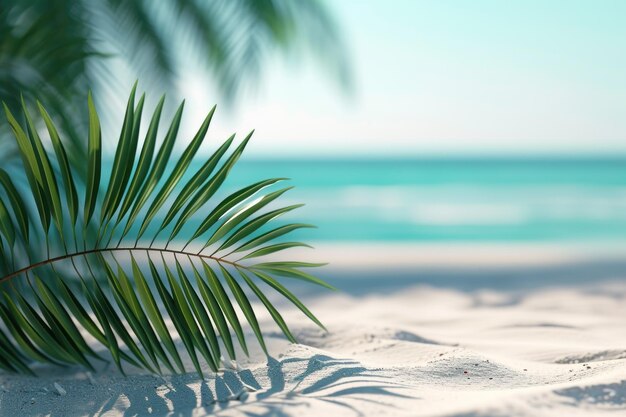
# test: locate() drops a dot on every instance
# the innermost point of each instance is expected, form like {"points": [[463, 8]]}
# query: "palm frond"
{"points": [[231, 39], [53, 49], [62, 280]]}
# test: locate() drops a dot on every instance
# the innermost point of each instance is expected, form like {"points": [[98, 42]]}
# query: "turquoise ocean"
{"points": [[452, 200]]}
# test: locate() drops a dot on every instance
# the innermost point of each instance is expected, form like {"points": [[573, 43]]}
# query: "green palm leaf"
{"points": [[124, 295]]}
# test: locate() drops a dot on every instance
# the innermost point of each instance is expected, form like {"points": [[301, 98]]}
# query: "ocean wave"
{"points": [[476, 205]]}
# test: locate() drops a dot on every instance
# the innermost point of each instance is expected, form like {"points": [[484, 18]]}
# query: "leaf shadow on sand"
{"points": [[271, 391]]}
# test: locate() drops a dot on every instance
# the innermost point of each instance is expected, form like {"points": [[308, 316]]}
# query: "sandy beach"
{"points": [[464, 334]]}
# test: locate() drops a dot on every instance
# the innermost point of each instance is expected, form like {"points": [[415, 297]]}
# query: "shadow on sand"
{"points": [[270, 391], [503, 278]]}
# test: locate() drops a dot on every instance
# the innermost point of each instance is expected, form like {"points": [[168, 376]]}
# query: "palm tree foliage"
{"points": [[116, 260], [53, 49]]}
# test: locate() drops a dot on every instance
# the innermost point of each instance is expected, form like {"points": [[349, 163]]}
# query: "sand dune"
{"points": [[504, 341]]}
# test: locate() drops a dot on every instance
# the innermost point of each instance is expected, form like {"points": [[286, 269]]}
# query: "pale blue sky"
{"points": [[444, 77]]}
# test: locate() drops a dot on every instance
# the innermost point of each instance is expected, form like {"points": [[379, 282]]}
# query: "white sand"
{"points": [[472, 334]]}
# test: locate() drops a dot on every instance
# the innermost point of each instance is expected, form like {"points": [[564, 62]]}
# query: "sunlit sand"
{"points": [[445, 338]]}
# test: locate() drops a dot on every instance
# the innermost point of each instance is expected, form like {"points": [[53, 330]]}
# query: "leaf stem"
{"points": [[105, 250]]}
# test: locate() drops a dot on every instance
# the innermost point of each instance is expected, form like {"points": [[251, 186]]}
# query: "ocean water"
{"points": [[462, 200]]}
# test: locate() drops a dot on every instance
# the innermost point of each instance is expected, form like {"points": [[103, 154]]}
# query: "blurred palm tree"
{"points": [[56, 49]]}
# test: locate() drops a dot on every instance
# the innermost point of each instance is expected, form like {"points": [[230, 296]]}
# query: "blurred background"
{"points": [[400, 122]]}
